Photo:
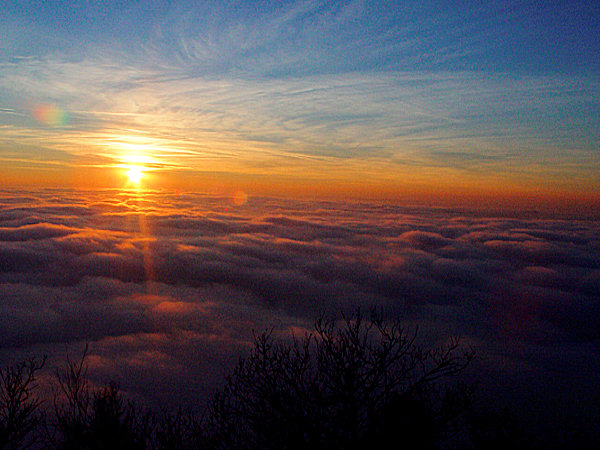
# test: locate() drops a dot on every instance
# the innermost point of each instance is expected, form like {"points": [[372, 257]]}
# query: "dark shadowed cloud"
{"points": [[168, 288]]}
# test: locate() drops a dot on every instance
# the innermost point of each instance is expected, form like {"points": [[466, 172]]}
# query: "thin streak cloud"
{"points": [[355, 83], [318, 116]]}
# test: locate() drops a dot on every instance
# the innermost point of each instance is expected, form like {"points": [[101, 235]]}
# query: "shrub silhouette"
{"points": [[359, 384]]}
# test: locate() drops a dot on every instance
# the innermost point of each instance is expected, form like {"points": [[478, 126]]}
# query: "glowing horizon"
{"points": [[178, 96]]}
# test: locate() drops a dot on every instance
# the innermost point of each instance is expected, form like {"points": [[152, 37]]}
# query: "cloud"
{"points": [[34, 232], [308, 124], [168, 288]]}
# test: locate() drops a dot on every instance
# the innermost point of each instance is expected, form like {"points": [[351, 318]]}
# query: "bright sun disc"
{"points": [[135, 174]]}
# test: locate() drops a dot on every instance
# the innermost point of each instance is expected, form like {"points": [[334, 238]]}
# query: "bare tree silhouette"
{"points": [[19, 405], [88, 419], [361, 383]]}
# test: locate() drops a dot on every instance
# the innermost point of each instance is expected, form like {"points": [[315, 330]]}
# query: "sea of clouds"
{"points": [[169, 288]]}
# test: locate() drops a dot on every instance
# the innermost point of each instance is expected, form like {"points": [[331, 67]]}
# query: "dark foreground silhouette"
{"points": [[349, 384]]}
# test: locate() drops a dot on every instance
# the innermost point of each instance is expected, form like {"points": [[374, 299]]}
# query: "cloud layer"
{"points": [[168, 287]]}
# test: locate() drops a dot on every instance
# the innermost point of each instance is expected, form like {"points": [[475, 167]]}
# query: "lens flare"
{"points": [[50, 115], [239, 198]]}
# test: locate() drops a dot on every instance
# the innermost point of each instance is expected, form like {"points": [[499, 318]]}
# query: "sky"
{"points": [[442, 101]]}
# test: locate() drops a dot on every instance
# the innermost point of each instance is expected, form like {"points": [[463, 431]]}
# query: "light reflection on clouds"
{"points": [[168, 287]]}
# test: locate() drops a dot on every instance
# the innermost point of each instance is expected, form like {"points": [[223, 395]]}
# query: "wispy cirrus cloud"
{"points": [[388, 117], [305, 88]]}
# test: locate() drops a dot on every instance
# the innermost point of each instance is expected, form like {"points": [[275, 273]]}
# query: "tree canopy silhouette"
{"points": [[93, 419], [19, 405], [360, 383]]}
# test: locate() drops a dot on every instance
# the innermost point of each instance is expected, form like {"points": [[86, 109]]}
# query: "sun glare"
{"points": [[135, 174]]}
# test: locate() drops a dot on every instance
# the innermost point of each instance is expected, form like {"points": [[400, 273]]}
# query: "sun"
{"points": [[135, 174]]}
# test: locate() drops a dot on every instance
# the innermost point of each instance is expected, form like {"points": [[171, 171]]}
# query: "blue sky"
{"points": [[479, 90], [321, 37]]}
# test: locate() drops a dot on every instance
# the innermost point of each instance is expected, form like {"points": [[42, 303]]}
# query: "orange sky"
{"points": [[240, 108]]}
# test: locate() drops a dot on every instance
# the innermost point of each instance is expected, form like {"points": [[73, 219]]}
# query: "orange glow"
{"points": [[135, 174], [434, 187]]}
